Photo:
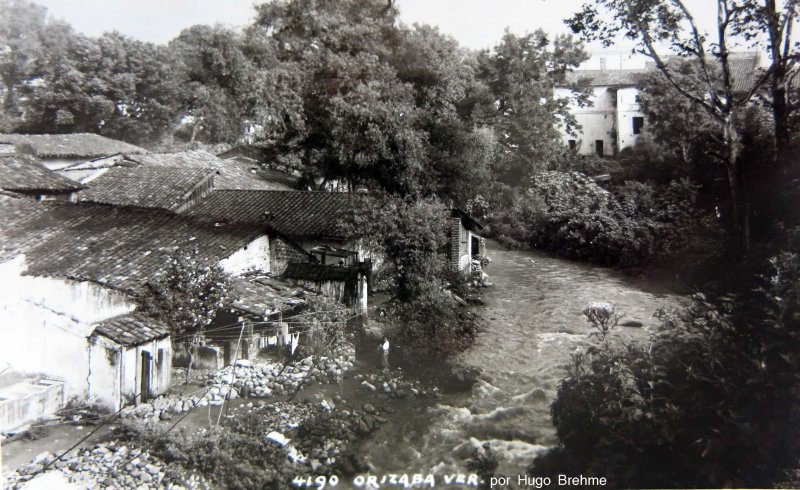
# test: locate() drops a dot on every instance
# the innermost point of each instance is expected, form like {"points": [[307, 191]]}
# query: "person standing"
{"points": [[384, 348]]}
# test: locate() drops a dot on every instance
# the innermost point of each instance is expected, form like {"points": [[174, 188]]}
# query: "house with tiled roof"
{"points": [[263, 160], [230, 175], [69, 275], [57, 151], [299, 221], [23, 175], [613, 120], [171, 188], [233, 174]]}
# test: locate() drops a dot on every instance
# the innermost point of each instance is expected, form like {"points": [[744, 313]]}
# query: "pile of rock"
{"points": [[394, 385], [262, 380], [247, 379], [107, 465]]}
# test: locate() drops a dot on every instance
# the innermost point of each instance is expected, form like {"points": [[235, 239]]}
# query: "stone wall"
{"points": [[281, 253]]}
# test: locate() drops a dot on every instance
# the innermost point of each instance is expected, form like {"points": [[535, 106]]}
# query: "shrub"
{"points": [[436, 324], [714, 401], [569, 214]]}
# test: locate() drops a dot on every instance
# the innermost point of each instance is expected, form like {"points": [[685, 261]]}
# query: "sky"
{"points": [[474, 23]]}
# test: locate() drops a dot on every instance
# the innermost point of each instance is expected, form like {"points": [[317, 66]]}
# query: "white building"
{"points": [[613, 120], [68, 277]]}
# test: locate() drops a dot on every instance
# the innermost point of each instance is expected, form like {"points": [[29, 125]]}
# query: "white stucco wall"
{"points": [[131, 368], [104, 369], [84, 302], [46, 329], [627, 108], [254, 256], [598, 121]]}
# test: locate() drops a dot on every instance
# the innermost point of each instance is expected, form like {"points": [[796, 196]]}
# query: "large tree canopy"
{"points": [[521, 73]]}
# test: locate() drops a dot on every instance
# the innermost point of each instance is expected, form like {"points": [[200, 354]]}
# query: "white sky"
{"points": [[474, 23]]}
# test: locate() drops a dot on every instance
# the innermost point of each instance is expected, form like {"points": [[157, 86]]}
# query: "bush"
{"points": [[714, 401], [436, 324], [569, 214], [235, 456]]}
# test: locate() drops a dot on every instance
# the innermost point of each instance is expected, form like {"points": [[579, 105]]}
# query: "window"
{"points": [[598, 147], [637, 99], [572, 144], [638, 124]]}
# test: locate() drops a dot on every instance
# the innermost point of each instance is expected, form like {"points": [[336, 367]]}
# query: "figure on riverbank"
{"points": [[384, 348]]}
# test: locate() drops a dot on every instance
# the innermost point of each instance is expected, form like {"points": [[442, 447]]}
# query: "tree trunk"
{"points": [[733, 141], [780, 118]]}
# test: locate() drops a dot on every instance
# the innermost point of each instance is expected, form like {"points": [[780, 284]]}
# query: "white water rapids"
{"points": [[535, 321]]}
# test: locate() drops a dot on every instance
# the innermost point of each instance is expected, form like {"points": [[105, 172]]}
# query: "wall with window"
{"points": [[630, 118], [598, 122]]}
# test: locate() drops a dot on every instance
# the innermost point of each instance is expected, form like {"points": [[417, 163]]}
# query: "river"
{"points": [[534, 319]]}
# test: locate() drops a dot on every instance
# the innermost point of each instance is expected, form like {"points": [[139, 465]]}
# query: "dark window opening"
{"points": [[637, 99], [598, 147], [572, 144], [638, 124]]}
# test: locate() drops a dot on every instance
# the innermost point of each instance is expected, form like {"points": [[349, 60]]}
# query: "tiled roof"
{"points": [[145, 186], [80, 145], [467, 220], [233, 174], [744, 69], [744, 72], [263, 296], [319, 272], [296, 214], [607, 78], [122, 248], [23, 174], [130, 330]]}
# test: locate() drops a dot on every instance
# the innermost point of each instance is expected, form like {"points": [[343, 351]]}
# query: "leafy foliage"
{"points": [[567, 213], [234, 455], [520, 73], [712, 402], [187, 294], [409, 234], [329, 321]]}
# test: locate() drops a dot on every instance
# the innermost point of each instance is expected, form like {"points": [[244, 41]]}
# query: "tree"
{"points": [[654, 22], [371, 102], [112, 85], [22, 25], [185, 296], [760, 17], [521, 73], [215, 78]]}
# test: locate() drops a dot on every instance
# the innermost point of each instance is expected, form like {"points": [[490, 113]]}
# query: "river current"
{"points": [[535, 321]]}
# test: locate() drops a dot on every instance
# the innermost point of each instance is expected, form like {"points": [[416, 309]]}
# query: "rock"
{"points": [[165, 415], [44, 458], [368, 408], [277, 438]]}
